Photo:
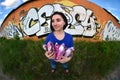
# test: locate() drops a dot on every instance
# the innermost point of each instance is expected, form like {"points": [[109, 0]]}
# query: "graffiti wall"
{"points": [[84, 22]]}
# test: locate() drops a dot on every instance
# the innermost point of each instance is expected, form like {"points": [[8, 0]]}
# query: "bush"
{"points": [[26, 60]]}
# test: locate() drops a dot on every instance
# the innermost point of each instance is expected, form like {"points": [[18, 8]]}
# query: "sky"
{"points": [[6, 6], [110, 5]]}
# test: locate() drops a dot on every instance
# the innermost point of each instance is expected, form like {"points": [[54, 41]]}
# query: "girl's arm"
{"points": [[65, 59], [50, 55]]}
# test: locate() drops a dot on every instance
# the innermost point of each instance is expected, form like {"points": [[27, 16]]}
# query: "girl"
{"points": [[58, 35]]}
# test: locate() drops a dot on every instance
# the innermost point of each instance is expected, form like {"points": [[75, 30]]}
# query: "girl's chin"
{"points": [[57, 29]]}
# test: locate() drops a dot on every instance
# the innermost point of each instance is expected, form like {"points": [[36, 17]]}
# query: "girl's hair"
{"points": [[64, 18]]}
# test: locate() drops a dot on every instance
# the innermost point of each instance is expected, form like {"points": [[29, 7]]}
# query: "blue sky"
{"points": [[111, 5], [6, 6]]}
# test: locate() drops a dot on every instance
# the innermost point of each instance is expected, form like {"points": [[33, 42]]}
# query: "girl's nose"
{"points": [[54, 23]]}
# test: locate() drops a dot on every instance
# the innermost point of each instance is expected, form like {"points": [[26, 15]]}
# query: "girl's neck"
{"points": [[59, 32]]}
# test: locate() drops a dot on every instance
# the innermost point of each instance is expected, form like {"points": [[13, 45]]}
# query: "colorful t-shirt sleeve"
{"points": [[47, 39], [71, 42]]}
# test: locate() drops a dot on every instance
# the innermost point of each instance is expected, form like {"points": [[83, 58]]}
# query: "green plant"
{"points": [[25, 60]]}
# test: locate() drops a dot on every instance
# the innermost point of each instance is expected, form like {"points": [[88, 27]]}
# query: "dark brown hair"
{"points": [[64, 18]]}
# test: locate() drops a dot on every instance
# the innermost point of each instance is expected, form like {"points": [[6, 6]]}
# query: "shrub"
{"points": [[25, 60]]}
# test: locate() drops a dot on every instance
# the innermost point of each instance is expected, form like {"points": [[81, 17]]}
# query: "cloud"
{"points": [[2, 19], [25, 0], [112, 8], [114, 12], [10, 3], [0, 22], [5, 15], [1, 12]]}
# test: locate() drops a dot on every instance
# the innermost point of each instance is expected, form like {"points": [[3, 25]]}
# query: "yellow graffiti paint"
{"points": [[32, 23], [66, 2]]}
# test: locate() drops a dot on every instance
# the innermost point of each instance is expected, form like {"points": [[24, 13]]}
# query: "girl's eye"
{"points": [[52, 20], [58, 20]]}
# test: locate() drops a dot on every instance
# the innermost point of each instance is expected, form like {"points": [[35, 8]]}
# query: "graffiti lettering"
{"points": [[31, 24], [10, 31], [111, 32], [80, 20], [44, 19]]}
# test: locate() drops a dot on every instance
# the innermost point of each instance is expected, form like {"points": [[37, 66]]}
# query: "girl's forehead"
{"points": [[56, 16]]}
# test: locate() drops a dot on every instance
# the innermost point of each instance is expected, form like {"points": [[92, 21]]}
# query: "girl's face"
{"points": [[57, 22]]}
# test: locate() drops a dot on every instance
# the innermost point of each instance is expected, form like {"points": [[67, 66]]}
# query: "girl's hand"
{"points": [[65, 59], [50, 55]]}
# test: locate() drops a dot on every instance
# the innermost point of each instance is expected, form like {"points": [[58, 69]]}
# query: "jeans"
{"points": [[54, 64]]}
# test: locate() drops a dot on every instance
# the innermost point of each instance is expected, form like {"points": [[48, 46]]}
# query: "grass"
{"points": [[25, 60]]}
